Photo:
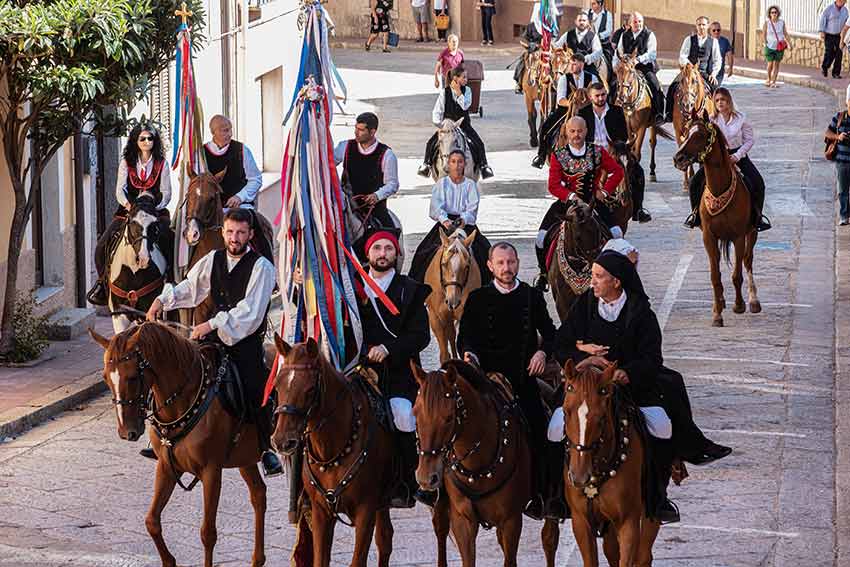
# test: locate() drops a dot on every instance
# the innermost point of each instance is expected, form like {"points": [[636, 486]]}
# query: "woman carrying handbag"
{"points": [[441, 19], [776, 36], [380, 23]]}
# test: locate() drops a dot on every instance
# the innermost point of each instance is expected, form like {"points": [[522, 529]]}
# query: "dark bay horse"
{"points": [[604, 479], [348, 455], [725, 213], [473, 446], [693, 97], [191, 431]]}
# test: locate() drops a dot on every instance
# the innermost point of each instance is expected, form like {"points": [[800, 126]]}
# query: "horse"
{"points": [[484, 470], [348, 454], [725, 212], [603, 480], [538, 89], [576, 244], [633, 95], [453, 274], [138, 267], [450, 137], [692, 98], [191, 431], [358, 221]]}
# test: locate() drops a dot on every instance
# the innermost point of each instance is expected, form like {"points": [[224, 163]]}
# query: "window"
{"points": [[271, 85]]}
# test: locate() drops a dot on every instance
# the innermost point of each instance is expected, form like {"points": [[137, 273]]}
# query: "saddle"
{"points": [[232, 392], [367, 380]]}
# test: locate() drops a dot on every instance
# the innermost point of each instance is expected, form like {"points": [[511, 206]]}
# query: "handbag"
{"points": [[831, 149], [781, 45], [441, 22], [392, 39]]}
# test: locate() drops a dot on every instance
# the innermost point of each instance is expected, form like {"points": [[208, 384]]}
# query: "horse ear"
{"points": [[450, 375], [134, 338], [470, 239], [418, 373], [220, 175], [458, 122], [705, 115], [608, 374], [190, 172], [569, 369], [443, 238], [312, 347], [282, 348], [99, 339]]}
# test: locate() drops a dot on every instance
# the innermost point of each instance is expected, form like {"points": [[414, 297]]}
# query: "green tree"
{"points": [[61, 63]]}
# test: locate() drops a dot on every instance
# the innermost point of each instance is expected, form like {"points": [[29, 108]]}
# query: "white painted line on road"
{"points": [[757, 433], [747, 531], [763, 304], [742, 360], [673, 289]]}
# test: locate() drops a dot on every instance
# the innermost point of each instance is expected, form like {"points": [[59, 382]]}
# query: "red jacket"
{"points": [[562, 185]]}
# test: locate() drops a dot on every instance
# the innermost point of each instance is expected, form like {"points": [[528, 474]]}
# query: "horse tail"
{"points": [[662, 131], [725, 248]]}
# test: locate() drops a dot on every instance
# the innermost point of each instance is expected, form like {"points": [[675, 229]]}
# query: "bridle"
{"points": [[709, 145], [460, 415], [207, 223], [630, 92], [141, 400], [461, 278]]}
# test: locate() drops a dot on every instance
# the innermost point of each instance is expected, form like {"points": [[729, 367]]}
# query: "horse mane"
{"points": [[159, 342], [145, 202], [471, 374], [587, 379]]}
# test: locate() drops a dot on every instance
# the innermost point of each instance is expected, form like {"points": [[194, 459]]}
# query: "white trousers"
{"points": [[657, 422], [403, 416]]}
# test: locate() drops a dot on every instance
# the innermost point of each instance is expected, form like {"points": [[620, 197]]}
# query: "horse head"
{"points": [[588, 418], [629, 82], [301, 385], [455, 265], [142, 229], [204, 208], [561, 60], [699, 140], [449, 138]]}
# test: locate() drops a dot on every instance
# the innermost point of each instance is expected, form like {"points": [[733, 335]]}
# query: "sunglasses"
{"points": [[146, 138], [715, 31]]}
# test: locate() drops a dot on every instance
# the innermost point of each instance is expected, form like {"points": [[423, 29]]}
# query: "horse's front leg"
{"points": [[465, 531], [211, 479], [257, 489], [549, 536], [364, 526], [738, 276], [383, 537], [509, 533], [648, 534], [628, 536], [586, 540], [653, 139], [440, 521], [533, 140], [712, 248], [162, 489], [323, 525], [451, 331], [438, 326]]}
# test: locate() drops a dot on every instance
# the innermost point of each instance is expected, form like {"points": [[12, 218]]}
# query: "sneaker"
{"points": [[424, 170], [271, 465], [490, 42], [844, 222], [484, 42]]}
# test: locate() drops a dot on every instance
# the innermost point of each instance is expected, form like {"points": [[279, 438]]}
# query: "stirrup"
{"points": [[763, 224], [691, 221], [541, 282]]}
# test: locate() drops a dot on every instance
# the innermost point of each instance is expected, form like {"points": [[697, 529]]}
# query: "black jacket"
{"points": [[615, 124]]}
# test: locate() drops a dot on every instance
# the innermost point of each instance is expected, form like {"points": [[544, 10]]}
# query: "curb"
{"points": [[17, 420], [842, 399]]}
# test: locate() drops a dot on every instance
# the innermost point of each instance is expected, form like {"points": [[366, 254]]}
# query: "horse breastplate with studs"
{"points": [[581, 170]]}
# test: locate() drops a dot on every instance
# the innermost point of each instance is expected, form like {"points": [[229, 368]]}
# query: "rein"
{"points": [[631, 93], [462, 278]]}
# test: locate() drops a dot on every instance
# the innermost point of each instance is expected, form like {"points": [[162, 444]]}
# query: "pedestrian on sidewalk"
{"points": [[441, 8], [420, 16], [380, 22], [448, 59], [727, 52], [488, 10], [839, 130], [776, 35], [833, 25]]}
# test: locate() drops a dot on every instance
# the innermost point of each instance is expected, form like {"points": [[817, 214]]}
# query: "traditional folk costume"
{"points": [[531, 39], [603, 23], [644, 45], [242, 179], [587, 43], [454, 107], [703, 52], [502, 328], [452, 201], [567, 85]]}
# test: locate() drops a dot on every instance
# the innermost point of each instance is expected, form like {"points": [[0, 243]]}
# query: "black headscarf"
{"points": [[624, 270]]}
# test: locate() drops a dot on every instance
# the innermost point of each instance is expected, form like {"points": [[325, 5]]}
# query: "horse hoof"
{"points": [[739, 308], [653, 178], [718, 322], [755, 307]]}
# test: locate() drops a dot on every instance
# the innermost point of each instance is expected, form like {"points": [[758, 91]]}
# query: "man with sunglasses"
{"points": [[727, 51]]}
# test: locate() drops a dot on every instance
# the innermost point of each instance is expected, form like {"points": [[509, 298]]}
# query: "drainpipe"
{"points": [[79, 223]]}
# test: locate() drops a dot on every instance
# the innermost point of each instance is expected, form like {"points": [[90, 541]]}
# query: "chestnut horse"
{"points": [[634, 96], [580, 238], [725, 212], [453, 274], [348, 455], [191, 431], [604, 479], [538, 90], [484, 469], [692, 98]]}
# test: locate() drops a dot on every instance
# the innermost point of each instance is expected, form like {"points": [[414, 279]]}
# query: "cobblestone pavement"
{"points": [[72, 493]]}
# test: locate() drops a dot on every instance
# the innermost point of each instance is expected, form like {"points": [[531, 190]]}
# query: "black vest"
{"points": [[364, 173], [234, 180], [151, 184], [603, 23], [638, 45], [228, 288], [585, 46], [452, 110], [702, 56]]}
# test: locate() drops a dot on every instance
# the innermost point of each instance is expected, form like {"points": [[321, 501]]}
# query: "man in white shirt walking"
{"points": [[421, 18], [698, 49]]}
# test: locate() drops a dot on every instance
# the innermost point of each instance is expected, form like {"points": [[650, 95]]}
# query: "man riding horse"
{"points": [[640, 42], [583, 39], [453, 104], [239, 281], [242, 179], [530, 39], [369, 171], [577, 170], [698, 49]]}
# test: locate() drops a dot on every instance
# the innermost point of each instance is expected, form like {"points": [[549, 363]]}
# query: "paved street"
{"points": [[73, 493]]}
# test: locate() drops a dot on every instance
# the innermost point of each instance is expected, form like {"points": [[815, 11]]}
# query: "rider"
{"points": [[606, 127], [453, 104], [506, 328], [738, 132], [242, 179], [239, 281], [583, 39], [640, 41], [577, 171], [369, 168], [698, 49], [531, 39], [577, 78], [603, 23], [454, 204], [391, 342], [143, 171]]}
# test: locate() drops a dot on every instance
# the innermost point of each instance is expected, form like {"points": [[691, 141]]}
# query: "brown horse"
{"points": [[348, 455], [725, 212], [603, 481], [692, 98], [634, 96], [485, 470], [580, 237], [538, 89], [191, 430], [453, 274]]}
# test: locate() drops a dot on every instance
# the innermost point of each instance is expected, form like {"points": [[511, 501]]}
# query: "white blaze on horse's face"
{"points": [[582, 422], [145, 220], [193, 232], [115, 379]]}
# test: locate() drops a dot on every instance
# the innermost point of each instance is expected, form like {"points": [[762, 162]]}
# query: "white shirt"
{"points": [[610, 311], [596, 21], [648, 57], [775, 32], [600, 132], [595, 49], [234, 325], [439, 4], [503, 290], [464, 100], [738, 133], [383, 279], [450, 198], [716, 59], [247, 194], [147, 168], [418, 3], [389, 166], [563, 86]]}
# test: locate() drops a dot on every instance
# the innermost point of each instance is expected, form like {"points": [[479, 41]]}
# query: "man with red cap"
{"points": [[390, 342]]}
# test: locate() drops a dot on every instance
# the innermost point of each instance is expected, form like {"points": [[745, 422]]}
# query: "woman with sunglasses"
{"points": [[143, 172], [776, 36]]}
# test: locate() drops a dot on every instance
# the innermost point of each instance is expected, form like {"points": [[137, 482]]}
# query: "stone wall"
{"points": [[806, 51]]}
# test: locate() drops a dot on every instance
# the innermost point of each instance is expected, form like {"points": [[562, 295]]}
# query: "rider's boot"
{"points": [[97, 294], [518, 88], [666, 511], [538, 161], [148, 453], [405, 485], [541, 282], [693, 219], [486, 172], [710, 453], [642, 215], [556, 507], [424, 170], [271, 464]]}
